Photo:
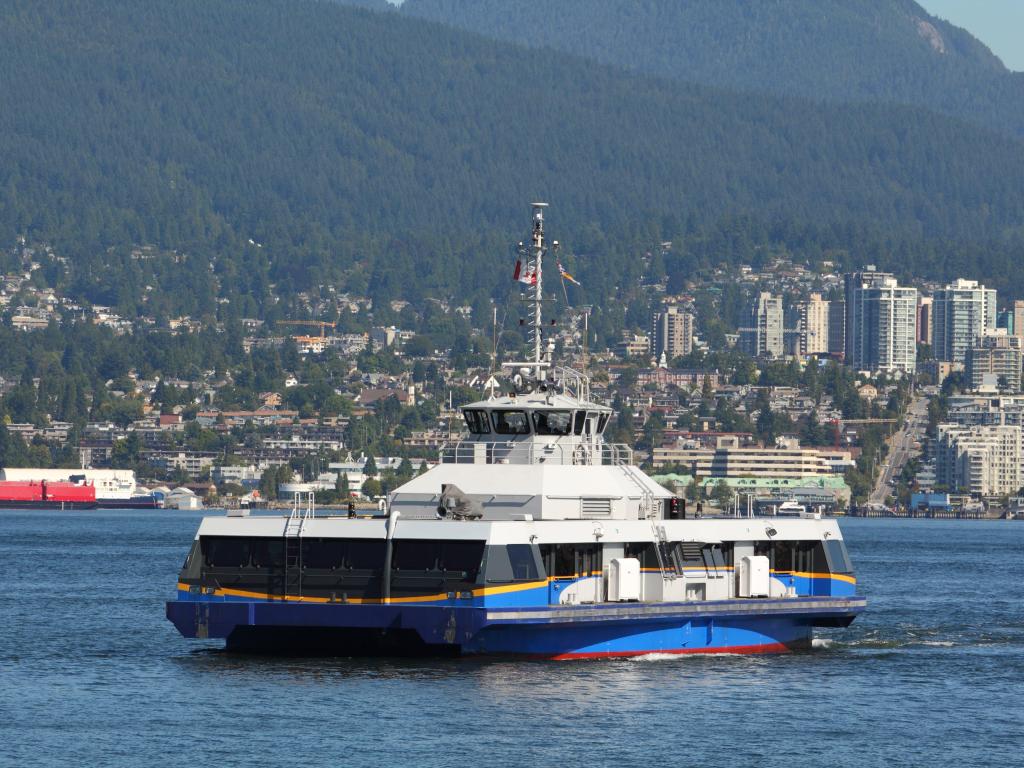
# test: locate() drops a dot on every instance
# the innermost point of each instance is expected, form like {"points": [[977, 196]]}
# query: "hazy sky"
{"points": [[999, 24]]}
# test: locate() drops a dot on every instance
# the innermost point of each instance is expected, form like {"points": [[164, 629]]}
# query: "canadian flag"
{"points": [[527, 276]]}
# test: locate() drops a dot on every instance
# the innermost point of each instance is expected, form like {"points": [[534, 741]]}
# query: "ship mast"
{"points": [[537, 253]]}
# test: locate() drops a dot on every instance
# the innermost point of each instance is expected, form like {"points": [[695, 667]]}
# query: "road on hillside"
{"points": [[901, 448]]}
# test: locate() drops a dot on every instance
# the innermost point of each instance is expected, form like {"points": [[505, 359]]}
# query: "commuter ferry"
{"points": [[532, 537]]}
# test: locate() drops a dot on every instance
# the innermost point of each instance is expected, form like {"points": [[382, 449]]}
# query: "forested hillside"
{"points": [[841, 50], [282, 144]]}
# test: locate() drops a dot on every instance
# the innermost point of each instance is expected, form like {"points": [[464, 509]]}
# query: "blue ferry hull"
{"points": [[554, 632]]}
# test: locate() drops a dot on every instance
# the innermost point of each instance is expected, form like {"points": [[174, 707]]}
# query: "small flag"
{"points": [[566, 276], [527, 276]]}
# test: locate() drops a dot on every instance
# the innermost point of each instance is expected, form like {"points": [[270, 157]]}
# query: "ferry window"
{"points": [[727, 554], [552, 422], [414, 555], [764, 549], [225, 551], [365, 554], [579, 420], [602, 423], [462, 557], [476, 421], [510, 422], [326, 554], [838, 559], [559, 560], [514, 562], [644, 552], [520, 557], [713, 558], [268, 553], [785, 556]]}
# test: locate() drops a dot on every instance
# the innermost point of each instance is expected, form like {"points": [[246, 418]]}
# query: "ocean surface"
{"points": [[92, 674]]}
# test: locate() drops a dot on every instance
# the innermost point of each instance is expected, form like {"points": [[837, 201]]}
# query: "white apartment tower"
{"points": [[881, 323], [961, 312]]}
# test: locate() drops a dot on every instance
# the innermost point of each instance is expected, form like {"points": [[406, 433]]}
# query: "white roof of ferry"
{"points": [[527, 480]]}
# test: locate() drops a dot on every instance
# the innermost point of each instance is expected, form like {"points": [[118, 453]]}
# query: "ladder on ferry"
{"points": [[648, 503], [667, 563], [293, 543]]}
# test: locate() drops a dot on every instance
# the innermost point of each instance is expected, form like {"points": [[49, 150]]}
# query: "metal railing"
{"points": [[563, 451]]}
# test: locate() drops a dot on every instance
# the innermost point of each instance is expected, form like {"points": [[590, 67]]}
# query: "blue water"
{"points": [[92, 674]]}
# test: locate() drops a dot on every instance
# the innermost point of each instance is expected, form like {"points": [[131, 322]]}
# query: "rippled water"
{"points": [[92, 674]]}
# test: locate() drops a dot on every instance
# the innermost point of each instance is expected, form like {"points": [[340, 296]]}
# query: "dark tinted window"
{"points": [[268, 553], [579, 420], [225, 551], [364, 554], [513, 562], [476, 421], [552, 422], [838, 559], [324, 554], [520, 558], [602, 423], [713, 557], [799, 556], [644, 552], [510, 422], [567, 561], [462, 557], [414, 555]]}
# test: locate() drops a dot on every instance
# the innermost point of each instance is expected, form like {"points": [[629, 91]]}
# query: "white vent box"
{"points": [[623, 579], [754, 576]]}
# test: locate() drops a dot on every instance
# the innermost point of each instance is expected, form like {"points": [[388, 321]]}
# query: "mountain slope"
{"points": [[841, 50], [335, 136]]}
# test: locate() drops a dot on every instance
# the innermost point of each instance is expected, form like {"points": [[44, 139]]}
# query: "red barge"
{"points": [[47, 495]]}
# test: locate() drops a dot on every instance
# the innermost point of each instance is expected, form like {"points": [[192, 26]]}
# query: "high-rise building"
{"points": [[995, 359], [837, 328], [762, 333], [924, 320], [881, 323], [672, 333], [814, 326], [962, 311]]}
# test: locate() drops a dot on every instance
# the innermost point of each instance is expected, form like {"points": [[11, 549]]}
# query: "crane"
{"points": [[322, 324]]}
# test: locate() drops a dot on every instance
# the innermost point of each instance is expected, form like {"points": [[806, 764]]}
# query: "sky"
{"points": [[999, 24]]}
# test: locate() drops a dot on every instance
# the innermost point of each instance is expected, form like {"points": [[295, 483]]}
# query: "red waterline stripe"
{"points": [[742, 649]]}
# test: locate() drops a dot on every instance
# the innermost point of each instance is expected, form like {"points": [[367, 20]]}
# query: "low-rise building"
{"points": [[729, 459], [980, 460]]}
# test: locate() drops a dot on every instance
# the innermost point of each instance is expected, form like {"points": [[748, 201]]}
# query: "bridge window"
{"points": [[510, 422], [602, 423], [552, 422], [476, 421], [580, 420]]}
